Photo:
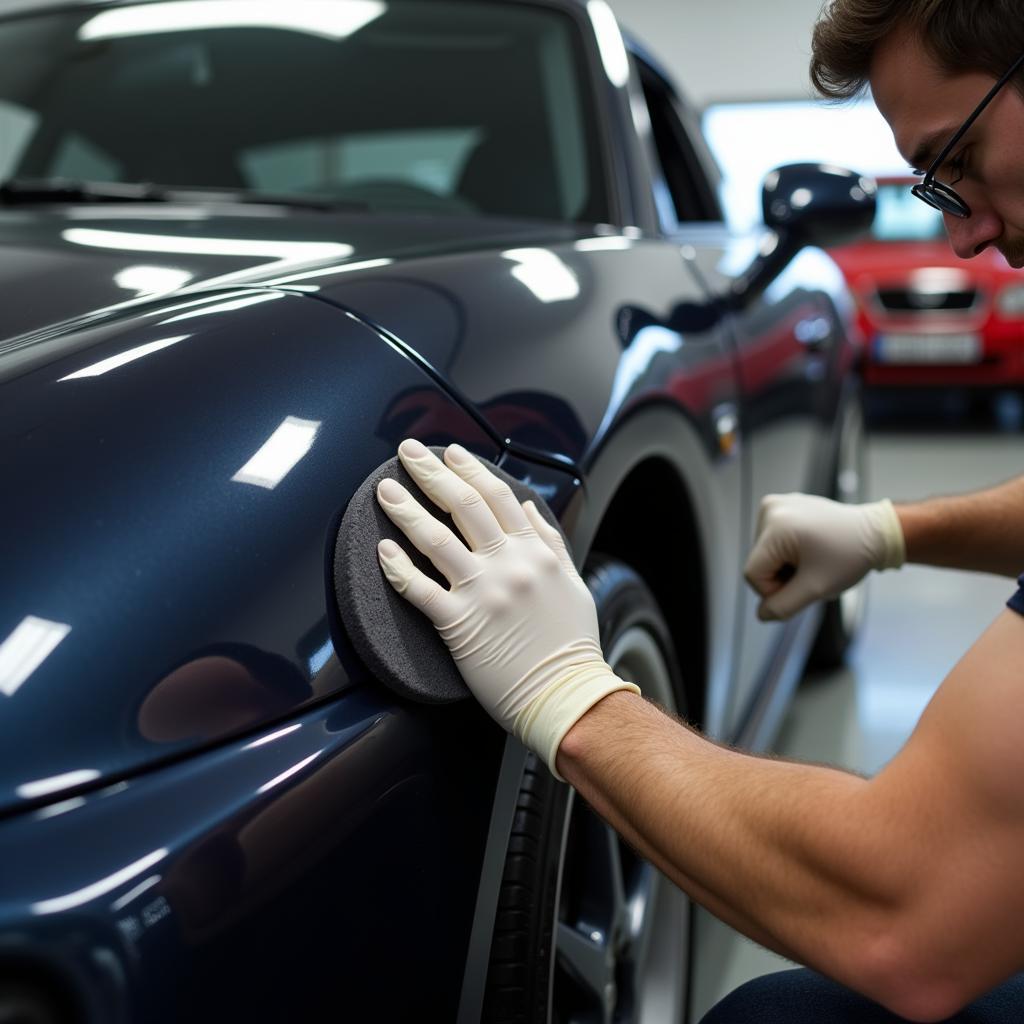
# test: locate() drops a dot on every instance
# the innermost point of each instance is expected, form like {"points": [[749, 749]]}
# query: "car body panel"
{"points": [[155, 544], [608, 328], [65, 261], [790, 356], [307, 848]]}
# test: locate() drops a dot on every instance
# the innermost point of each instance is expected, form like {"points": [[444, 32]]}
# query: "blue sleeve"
{"points": [[1017, 601]]}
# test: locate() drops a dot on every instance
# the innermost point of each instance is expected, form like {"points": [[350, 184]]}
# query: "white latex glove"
{"points": [[518, 619], [810, 548]]}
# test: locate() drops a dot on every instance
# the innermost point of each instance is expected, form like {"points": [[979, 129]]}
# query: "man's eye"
{"points": [[956, 166]]}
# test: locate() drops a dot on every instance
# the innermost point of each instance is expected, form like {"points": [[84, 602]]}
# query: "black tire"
{"points": [[844, 615], [552, 873]]}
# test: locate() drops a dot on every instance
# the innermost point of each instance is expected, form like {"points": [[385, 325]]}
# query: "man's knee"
{"points": [[796, 997]]}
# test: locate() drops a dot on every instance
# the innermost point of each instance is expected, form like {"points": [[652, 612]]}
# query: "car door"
{"points": [[781, 356]]}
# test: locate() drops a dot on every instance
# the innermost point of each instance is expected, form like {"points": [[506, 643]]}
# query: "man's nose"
{"points": [[970, 236]]}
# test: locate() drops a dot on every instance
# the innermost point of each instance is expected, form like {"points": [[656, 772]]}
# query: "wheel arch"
{"points": [[660, 540], [650, 503]]}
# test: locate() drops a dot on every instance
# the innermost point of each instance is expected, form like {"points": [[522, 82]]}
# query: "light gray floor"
{"points": [[919, 622]]}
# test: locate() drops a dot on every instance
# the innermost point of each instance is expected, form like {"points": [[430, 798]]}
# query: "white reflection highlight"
{"points": [[609, 42], [151, 280], [131, 241], [31, 643], [634, 363], [544, 274], [100, 888], [801, 198], [271, 737], [221, 307], [295, 768], [120, 904], [939, 280], [333, 19], [320, 657], [54, 784], [53, 810], [598, 244], [106, 365], [327, 271], [279, 454]]}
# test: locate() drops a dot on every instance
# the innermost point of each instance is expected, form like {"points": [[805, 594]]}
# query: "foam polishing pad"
{"points": [[398, 643]]}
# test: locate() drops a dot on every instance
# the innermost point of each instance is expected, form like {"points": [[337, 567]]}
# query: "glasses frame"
{"points": [[942, 197]]}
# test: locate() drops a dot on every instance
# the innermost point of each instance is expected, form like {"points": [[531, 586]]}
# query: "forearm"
{"points": [[788, 854], [983, 532]]}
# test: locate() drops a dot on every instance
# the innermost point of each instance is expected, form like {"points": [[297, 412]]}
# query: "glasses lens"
{"points": [[942, 198]]}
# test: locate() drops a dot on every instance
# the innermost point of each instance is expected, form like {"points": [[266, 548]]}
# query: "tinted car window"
{"points": [[682, 193], [440, 107]]}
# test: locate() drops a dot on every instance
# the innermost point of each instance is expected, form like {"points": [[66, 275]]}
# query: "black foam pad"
{"points": [[397, 642]]}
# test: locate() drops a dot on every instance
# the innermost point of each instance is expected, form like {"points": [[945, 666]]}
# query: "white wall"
{"points": [[727, 49]]}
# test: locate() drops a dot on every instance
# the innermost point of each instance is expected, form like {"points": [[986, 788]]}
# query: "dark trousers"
{"points": [[803, 997]]}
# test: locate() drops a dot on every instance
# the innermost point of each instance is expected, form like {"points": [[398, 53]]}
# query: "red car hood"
{"points": [[871, 262]]}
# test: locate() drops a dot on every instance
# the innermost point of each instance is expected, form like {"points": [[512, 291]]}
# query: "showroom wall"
{"points": [[739, 50]]}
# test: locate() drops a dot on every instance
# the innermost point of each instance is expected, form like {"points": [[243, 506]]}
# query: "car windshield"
{"points": [[448, 108], [902, 217]]}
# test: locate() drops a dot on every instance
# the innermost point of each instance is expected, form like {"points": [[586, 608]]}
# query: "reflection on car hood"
{"points": [[872, 261], [61, 262]]}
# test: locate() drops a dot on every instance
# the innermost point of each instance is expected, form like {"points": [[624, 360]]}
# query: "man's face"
{"points": [[924, 107]]}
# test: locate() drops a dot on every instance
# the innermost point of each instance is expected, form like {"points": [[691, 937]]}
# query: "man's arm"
{"points": [[809, 548], [983, 531], [907, 887]]}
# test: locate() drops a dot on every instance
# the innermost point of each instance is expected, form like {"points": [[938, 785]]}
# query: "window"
{"points": [[78, 158], [17, 126], [428, 161], [691, 197], [391, 104]]}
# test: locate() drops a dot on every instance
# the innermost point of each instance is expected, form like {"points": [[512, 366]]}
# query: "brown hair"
{"points": [[960, 35]]}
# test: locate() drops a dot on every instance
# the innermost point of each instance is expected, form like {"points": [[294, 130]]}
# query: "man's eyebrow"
{"points": [[929, 146]]}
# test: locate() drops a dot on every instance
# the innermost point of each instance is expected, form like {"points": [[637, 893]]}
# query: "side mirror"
{"points": [[807, 204], [815, 204]]}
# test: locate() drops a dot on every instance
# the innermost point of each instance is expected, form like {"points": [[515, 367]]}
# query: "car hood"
{"points": [[64, 262], [871, 262]]}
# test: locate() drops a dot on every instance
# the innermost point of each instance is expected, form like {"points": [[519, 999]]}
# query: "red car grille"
{"points": [[899, 300]]}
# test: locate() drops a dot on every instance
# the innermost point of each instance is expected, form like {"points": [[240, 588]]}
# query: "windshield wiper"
{"points": [[33, 190], [49, 190]]}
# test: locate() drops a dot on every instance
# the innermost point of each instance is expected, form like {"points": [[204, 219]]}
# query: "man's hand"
{"points": [[518, 619], [809, 548]]}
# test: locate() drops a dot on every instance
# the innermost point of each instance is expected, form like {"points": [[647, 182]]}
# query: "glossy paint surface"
{"points": [[62, 261], [181, 507], [275, 878]]}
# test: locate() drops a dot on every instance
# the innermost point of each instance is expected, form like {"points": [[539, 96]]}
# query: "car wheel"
{"points": [[844, 614], [585, 929]]}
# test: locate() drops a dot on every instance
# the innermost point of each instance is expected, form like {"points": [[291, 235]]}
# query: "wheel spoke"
{"points": [[585, 957], [619, 911], [641, 916]]}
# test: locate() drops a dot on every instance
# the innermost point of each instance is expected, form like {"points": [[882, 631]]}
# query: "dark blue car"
{"points": [[245, 249]]}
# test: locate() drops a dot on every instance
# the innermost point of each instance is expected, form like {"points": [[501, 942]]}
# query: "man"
{"points": [[906, 889]]}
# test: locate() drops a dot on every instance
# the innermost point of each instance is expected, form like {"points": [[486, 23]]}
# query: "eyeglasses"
{"points": [[935, 193]]}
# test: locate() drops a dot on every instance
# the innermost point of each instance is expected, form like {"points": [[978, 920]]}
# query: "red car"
{"points": [[928, 317]]}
